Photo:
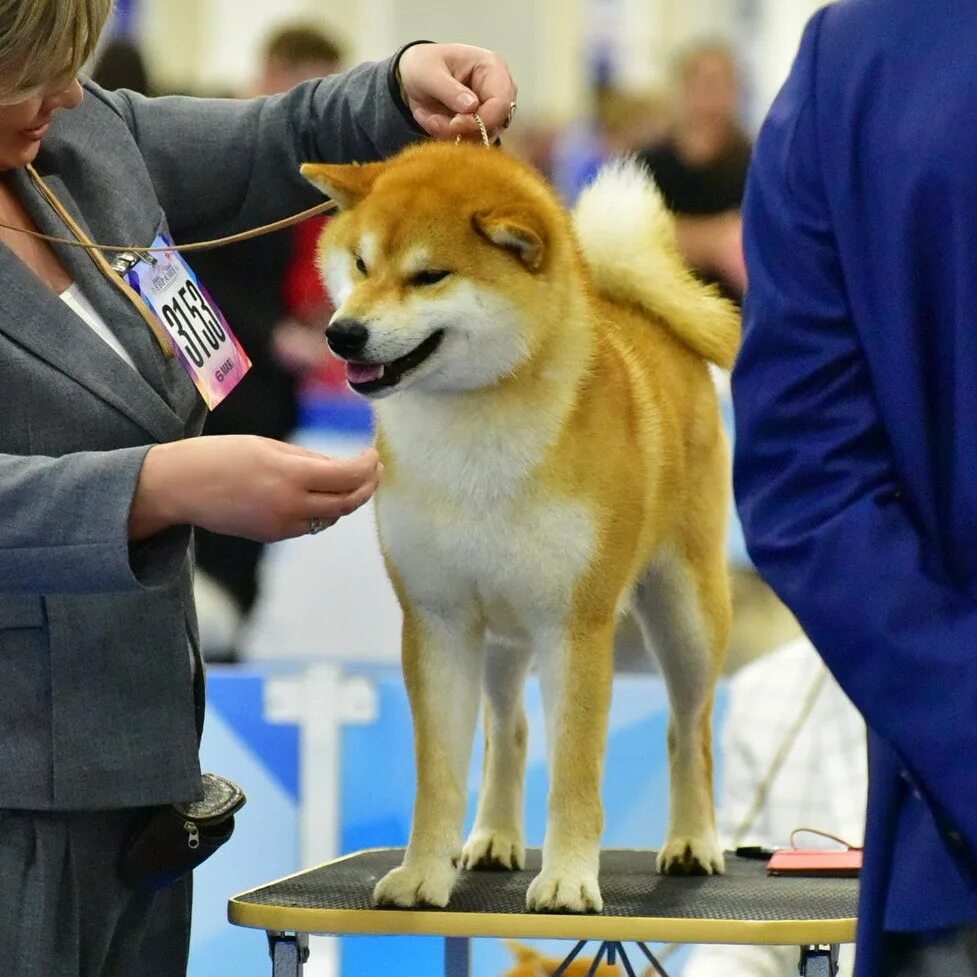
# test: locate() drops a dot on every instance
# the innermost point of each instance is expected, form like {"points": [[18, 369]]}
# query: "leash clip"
{"points": [[127, 260]]}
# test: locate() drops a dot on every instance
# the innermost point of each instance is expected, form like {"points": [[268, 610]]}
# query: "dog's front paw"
{"points": [[564, 891], [494, 848], [688, 855], [427, 883]]}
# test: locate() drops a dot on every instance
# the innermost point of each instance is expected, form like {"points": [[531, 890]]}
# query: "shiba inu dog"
{"points": [[553, 454]]}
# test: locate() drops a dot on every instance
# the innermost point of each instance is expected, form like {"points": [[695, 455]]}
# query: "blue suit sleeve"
{"points": [[824, 514]]}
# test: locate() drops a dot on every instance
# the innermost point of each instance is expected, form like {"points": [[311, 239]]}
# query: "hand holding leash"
{"points": [[444, 85]]}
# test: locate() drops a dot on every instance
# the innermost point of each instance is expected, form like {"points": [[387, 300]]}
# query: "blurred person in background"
{"points": [[577, 152], [270, 290], [794, 756], [294, 53], [630, 121], [701, 167], [621, 123], [120, 64]]}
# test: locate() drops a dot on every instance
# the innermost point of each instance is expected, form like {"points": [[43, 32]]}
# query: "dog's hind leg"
{"points": [[443, 662], [576, 669], [497, 838], [683, 607]]}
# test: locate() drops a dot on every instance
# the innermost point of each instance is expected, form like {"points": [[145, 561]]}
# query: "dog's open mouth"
{"points": [[366, 378]]}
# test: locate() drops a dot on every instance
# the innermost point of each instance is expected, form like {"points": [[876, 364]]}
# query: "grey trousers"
{"points": [[65, 913], [947, 953]]}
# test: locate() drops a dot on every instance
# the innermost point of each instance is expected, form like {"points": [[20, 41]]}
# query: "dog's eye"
{"points": [[360, 265], [429, 277]]}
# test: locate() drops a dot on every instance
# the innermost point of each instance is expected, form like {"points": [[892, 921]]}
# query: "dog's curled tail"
{"points": [[628, 240]]}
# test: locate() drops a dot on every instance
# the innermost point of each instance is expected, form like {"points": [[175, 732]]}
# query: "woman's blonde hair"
{"points": [[45, 41]]}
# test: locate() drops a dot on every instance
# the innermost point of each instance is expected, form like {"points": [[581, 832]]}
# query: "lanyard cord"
{"points": [[96, 255], [82, 241]]}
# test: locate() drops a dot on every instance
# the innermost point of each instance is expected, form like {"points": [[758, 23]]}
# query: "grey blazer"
{"points": [[97, 708]]}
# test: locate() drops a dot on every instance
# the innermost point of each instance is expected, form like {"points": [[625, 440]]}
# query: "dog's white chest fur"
{"points": [[465, 523]]}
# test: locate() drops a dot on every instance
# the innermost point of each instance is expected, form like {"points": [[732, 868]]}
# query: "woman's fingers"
{"points": [[322, 510], [336, 476]]}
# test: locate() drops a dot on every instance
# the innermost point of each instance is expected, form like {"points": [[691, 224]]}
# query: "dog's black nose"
{"points": [[347, 337]]}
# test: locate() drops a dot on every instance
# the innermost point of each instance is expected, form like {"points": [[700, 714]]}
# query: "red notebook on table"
{"points": [[816, 862]]}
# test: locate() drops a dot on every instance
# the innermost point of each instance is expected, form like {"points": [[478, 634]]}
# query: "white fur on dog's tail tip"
{"points": [[628, 240], [624, 201]]}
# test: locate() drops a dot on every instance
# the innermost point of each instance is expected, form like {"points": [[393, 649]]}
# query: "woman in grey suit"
{"points": [[102, 476]]}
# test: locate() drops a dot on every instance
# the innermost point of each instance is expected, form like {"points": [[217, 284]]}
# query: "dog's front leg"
{"points": [[576, 671], [497, 839], [442, 658]]}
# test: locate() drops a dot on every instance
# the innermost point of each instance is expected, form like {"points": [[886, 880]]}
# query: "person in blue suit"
{"points": [[856, 452]]}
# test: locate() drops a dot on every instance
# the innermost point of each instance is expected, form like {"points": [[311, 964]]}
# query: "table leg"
{"points": [[625, 962], [652, 959], [573, 954], [289, 953], [457, 956], [819, 961], [601, 950]]}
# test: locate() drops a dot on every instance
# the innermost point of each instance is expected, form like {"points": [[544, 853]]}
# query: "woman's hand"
{"points": [[242, 485], [446, 84]]}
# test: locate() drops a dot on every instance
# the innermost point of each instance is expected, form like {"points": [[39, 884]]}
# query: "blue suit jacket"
{"points": [[856, 413]]}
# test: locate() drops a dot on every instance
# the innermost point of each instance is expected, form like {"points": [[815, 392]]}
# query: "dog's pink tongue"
{"points": [[363, 372]]}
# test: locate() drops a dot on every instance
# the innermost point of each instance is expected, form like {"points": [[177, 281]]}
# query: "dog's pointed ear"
{"points": [[516, 231], [346, 183]]}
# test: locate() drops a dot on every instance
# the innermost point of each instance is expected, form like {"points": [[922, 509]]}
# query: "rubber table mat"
{"points": [[745, 905]]}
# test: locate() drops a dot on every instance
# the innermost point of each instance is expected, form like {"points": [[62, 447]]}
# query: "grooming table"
{"points": [[743, 906]]}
